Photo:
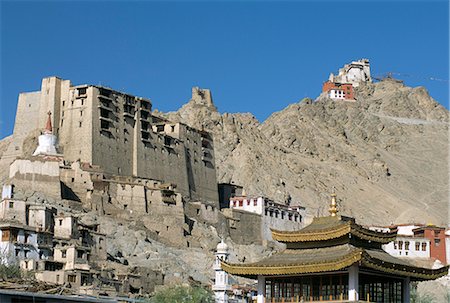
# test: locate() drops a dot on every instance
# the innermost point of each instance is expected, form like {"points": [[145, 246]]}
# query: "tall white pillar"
{"points": [[353, 283], [261, 289], [406, 290]]}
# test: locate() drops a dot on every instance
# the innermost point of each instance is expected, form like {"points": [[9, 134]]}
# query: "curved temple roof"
{"points": [[316, 260], [327, 228]]}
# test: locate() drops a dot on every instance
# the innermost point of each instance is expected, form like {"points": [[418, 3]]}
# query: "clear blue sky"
{"points": [[256, 57]]}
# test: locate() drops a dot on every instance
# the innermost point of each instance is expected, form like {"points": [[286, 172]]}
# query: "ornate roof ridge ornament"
{"points": [[333, 207]]}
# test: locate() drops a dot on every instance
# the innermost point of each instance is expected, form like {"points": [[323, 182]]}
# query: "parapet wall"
{"points": [[36, 175]]}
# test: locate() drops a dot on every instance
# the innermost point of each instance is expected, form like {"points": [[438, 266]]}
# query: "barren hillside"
{"points": [[386, 153]]}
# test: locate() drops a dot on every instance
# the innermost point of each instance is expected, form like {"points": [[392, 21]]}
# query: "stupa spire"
{"points": [[47, 141], [48, 125]]}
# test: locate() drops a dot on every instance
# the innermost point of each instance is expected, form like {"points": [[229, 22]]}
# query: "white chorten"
{"points": [[47, 141], [221, 285]]}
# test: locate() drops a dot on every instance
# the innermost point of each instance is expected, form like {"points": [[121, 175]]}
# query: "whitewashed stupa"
{"points": [[47, 141]]}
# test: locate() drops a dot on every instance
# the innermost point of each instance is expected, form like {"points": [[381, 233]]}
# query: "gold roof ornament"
{"points": [[333, 207], [333, 243]]}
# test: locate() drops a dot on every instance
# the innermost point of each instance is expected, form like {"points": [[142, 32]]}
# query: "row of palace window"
{"points": [[275, 213], [241, 203], [269, 212], [418, 245]]}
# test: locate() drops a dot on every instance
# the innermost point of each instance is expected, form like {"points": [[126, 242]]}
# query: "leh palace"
{"points": [[85, 160]]}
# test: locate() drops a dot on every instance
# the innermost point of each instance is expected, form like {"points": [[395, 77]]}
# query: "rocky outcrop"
{"points": [[386, 153]]}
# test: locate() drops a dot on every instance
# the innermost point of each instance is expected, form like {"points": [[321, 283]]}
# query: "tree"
{"points": [[182, 294], [416, 297], [9, 267]]}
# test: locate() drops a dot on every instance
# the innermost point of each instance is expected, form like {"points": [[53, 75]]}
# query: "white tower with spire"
{"points": [[47, 141], [221, 285]]}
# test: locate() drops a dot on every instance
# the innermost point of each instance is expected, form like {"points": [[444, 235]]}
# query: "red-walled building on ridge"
{"points": [[342, 91]]}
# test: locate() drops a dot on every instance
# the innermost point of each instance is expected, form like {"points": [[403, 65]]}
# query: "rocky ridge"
{"points": [[386, 153]]}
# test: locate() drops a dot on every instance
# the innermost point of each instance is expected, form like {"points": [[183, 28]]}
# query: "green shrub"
{"points": [[182, 294], [417, 297], [10, 271]]}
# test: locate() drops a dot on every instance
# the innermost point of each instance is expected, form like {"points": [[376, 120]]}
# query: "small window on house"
{"points": [[17, 252], [81, 114], [241, 203], [79, 254], [61, 220], [395, 244], [82, 101], [417, 246], [255, 202], [11, 204], [63, 254], [80, 124], [57, 278], [407, 245], [63, 103], [62, 121], [172, 128], [437, 242], [424, 246], [72, 278], [400, 245]]}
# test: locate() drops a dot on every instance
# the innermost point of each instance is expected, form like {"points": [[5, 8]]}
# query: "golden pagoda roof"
{"points": [[317, 260], [299, 261], [332, 227]]}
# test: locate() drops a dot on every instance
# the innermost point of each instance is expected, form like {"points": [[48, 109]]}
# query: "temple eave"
{"points": [[364, 259], [313, 236], [324, 235], [288, 269]]}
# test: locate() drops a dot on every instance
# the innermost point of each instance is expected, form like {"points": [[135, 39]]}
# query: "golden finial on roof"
{"points": [[333, 207]]}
